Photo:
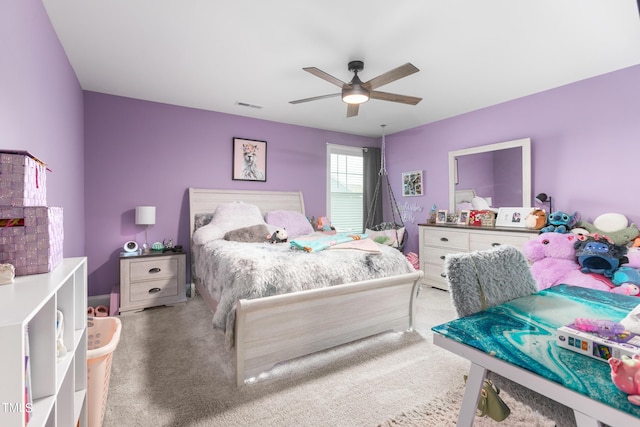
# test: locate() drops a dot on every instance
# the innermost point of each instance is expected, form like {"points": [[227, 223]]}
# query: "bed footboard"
{"points": [[282, 327]]}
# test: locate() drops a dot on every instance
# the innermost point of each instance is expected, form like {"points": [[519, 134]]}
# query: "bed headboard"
{"points": [[202, 201]]}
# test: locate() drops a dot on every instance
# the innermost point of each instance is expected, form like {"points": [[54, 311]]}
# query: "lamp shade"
{"points": [[542, 197], [145, 215]]}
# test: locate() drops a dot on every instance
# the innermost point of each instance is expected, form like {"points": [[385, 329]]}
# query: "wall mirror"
{"points": [[500, 173]]}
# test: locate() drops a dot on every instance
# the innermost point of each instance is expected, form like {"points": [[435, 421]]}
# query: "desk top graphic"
{"points": [[523, 333]]}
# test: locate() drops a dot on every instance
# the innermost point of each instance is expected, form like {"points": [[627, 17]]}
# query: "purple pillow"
{"points": [[294, 222]]}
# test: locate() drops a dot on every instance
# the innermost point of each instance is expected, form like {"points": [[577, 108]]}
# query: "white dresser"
{"points": [[438, 240]]}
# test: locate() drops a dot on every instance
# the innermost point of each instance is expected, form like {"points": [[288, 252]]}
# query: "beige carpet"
{"points": [[170, 369]]}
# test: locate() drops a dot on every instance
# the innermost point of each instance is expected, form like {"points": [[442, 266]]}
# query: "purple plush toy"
{"points": [[554, 262]]}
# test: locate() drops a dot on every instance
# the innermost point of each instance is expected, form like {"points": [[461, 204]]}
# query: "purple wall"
{"points": [[584, 145], [140, 153], [41, 109], [584, 140]]}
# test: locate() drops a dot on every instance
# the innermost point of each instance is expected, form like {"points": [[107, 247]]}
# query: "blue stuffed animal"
{"points": [[598, 254], [560, 222], [626, 275]]}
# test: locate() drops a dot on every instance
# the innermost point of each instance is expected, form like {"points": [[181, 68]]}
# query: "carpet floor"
{"points": [[171, 369]]}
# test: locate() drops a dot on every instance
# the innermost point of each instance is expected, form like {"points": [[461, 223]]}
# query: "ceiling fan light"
{"points": [[356, 95]]}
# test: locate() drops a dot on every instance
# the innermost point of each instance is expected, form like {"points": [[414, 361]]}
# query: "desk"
{"points": [[517, 340]]}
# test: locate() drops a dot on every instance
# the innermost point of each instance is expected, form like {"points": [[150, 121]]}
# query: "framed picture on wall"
{"points": [[249, 160], [412, 183]]}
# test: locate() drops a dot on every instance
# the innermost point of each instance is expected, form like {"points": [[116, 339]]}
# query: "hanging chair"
{"points": [[396, 222]]}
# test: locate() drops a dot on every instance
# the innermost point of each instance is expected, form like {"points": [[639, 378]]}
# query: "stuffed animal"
{"points": [[553, 259], [560, 222], [615, 226], [633, 257], [598, 254], [625, 374], [626, 275], [536, 219], [627, 289], [279, 236]]}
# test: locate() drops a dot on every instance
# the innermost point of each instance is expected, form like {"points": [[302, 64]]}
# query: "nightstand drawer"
{"points": [[148, 280], [153, 269], [152, 290]]}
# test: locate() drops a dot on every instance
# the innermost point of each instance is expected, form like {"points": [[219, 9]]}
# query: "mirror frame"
{"points": [[524, 144]]}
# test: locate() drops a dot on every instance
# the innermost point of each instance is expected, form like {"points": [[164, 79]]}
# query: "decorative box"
{"points": [[482, 218], [23, 179], [596, 346], [31, 238]]}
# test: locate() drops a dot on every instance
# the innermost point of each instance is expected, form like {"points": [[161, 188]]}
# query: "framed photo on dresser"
{"points": [[512, 217]]}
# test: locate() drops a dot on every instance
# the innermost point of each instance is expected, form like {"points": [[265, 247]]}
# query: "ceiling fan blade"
{"points": [[328, 77], [315, 98], [391, 76], [352, 110], [394, 97]]}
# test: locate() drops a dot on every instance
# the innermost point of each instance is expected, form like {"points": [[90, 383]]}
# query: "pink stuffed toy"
{"points": [[554, 262], [625, 374]]}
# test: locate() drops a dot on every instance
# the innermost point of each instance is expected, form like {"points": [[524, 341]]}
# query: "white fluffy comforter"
{"points": [[236, 270]]}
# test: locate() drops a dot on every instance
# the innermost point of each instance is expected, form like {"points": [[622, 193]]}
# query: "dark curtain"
{"points": [[372, 162]]}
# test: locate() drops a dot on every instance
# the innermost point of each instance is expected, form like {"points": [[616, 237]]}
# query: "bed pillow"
{"points": [[207, 233], [294, 222], [253, 234], [386, 237], [227, 217]]}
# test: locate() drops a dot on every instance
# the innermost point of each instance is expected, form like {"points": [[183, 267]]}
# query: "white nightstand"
{"points": [[152, 279]]}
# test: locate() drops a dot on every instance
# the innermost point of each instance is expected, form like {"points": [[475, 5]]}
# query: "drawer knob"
{"points": [[444, 239], [154, 290], [441, 256], [154, 270], [495, 244], [443, 275]]}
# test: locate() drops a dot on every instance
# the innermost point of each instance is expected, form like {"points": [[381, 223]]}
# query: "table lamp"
{"points": [[145, 215], [543, 198]]}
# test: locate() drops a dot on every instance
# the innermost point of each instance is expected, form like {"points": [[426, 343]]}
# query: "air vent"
{"points": [[245, 104]]}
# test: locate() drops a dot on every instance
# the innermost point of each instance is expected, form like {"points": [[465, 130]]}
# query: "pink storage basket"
{"points": [[103, 335]]}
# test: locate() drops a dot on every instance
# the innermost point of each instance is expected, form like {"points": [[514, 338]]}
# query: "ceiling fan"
{"points": [[356, 92]]}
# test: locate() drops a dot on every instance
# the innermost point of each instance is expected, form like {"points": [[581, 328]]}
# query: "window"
{"points": [[344, 187]]}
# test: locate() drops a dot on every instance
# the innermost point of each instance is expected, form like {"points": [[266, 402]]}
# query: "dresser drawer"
{"points": [[434, 276], [436, 255], [153, 269], [446, 238], [482, 241], [153, 290]]}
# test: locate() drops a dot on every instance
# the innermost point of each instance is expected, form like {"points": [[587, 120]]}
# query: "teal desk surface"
{"points": [[523, 332]]}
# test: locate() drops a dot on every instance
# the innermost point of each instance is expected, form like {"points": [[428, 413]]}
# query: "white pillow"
{"points": [[206, 233], [227, 217]]}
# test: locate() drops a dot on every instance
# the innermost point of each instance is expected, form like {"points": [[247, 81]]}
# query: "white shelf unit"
{"points": [[58, 385]]}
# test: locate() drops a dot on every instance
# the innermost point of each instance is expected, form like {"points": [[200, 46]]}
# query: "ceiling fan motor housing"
{"points": [[356, 66]]}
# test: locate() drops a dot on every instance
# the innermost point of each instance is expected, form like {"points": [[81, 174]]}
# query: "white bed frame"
{"points": [[278, 328]]}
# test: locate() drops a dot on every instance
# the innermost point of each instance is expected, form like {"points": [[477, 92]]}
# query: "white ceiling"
{"points": [[211, 54]]}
